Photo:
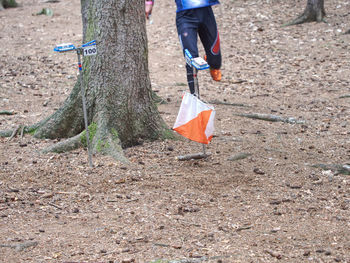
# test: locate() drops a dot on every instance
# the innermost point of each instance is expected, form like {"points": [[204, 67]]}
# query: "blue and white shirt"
{"points": [[190, 4]]}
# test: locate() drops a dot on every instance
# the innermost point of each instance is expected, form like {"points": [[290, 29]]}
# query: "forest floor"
{"points": [[270, 191]]}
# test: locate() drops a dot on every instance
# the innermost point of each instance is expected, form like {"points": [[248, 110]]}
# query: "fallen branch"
{"points": [[21, 246], [5, 112], [272, 118], [26, 129], [239, 156], [239, 81], [345, 96], [337, 168], [194, 156]]}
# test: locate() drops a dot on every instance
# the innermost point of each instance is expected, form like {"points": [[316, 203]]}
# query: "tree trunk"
{"points": [[120, 107], [314, 11]]}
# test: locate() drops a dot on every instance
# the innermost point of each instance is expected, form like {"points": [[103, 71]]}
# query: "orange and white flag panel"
{"points": [[195, 119]]}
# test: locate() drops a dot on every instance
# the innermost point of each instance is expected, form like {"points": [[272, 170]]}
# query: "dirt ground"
{"points": [[262, 196]]}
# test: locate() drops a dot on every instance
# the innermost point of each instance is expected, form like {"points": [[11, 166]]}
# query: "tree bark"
{"points": [[120, 107], [314, 12]]}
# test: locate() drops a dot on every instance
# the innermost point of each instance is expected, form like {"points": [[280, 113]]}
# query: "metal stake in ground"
{"points": [[79, 52], [197, 64], [196, 92], [87, 49]]}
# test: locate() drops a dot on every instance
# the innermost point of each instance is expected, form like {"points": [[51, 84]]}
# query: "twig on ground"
{"points": [[273, 254], [22, 131], [217, 102], [66, 193], [15, 131], [161, 245], [56, 206], [14, 190], [243, 228]]}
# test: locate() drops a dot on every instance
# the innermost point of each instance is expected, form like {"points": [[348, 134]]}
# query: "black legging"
{"points": [[201, 22]]}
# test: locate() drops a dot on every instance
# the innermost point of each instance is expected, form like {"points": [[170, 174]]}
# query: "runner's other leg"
{"points": [[186, 23], [209, 36]]}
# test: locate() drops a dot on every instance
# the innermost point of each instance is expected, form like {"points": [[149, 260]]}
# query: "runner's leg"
{"points": [[209, 36], [186, 23]]}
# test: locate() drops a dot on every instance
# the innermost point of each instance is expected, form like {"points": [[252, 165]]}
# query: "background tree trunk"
{"points": [[7, 4], [118, 89], [314, 11]]}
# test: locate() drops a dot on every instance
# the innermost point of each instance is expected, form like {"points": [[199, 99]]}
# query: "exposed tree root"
{"points": [[299, 20], [24, 129], [311, 14], [106, 141], [102, 141], [272, 118], [303, 19], [66, 122], [66, 145], [6, 133]]}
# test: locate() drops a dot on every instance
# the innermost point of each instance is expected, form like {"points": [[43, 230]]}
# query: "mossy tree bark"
{"points": [[120, 106], [314, 12], [7, 4]]}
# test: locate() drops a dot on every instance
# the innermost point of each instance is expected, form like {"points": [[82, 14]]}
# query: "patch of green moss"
{"points": [[115, 134], [31, 131], [102, 146], [92, 133], [160, 261], [168, 134]]}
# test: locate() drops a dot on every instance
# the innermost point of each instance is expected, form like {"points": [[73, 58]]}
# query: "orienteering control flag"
{"points": [[195, 119]]}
